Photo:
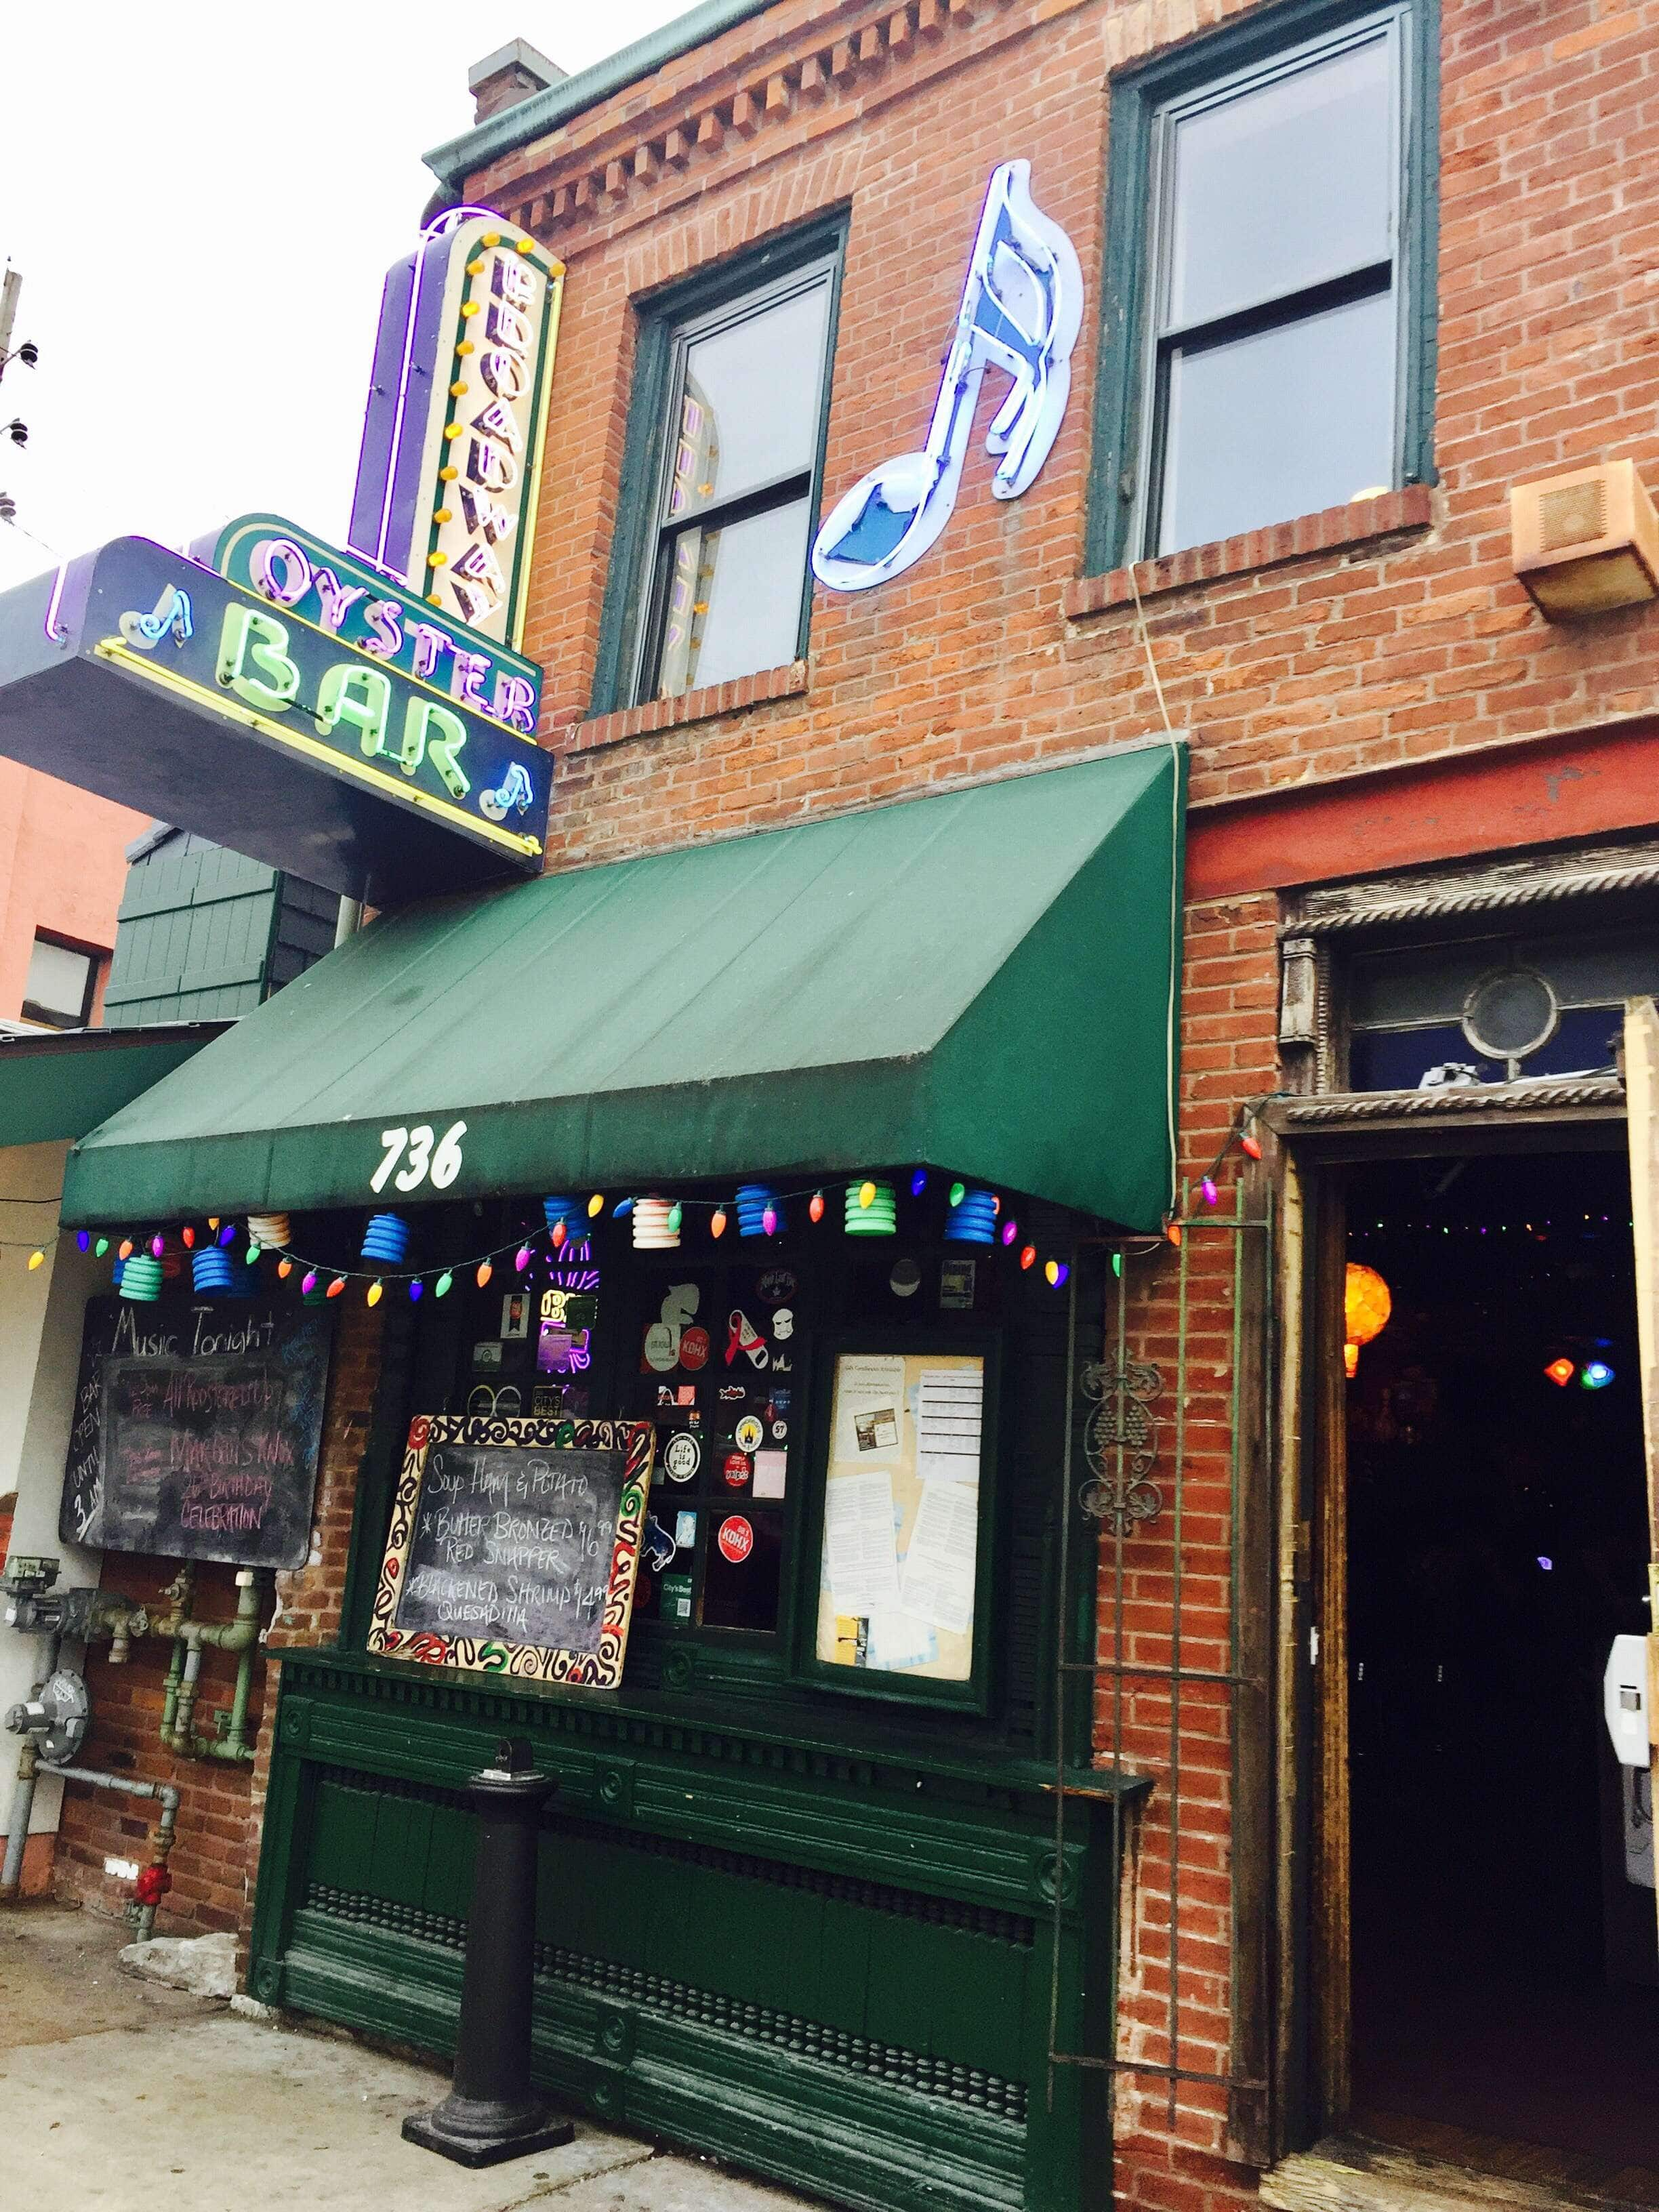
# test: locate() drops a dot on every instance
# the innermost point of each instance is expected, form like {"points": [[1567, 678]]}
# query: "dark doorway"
{"points": [[1506, 1966]]}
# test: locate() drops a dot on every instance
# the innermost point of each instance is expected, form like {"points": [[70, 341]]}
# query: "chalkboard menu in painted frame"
{"points": [[197, 1428], [514, 1546]]}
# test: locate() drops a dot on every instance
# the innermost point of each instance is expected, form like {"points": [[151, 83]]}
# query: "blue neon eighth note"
{"points": [[1021, 307]]}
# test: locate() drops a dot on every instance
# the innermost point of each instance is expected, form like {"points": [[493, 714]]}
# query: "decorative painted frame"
{"points": [[595, 1670]]}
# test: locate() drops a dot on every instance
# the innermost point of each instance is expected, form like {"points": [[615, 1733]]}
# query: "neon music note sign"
{"points": [[1021, 307]]}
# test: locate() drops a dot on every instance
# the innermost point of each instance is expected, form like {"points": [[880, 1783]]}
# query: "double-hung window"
{"points": [[1275, 361], [726, 445]]}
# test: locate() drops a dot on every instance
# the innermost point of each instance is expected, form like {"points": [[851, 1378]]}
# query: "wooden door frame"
{"points": [[1312, 2049]]}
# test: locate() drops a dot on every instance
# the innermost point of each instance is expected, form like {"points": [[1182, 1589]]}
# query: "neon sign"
{"points": [[342, 595], [1022, 304], [449, 476], [308, 689]]}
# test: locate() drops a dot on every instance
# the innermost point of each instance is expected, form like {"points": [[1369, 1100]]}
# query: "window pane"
{"points": [[733, 598], [1282, 187], [1282, 423], [749, 411], [57, 983]]}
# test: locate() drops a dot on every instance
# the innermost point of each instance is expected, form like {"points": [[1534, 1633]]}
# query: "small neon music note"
{"points": [[172, 612], [516, 790], [1021, 307]]}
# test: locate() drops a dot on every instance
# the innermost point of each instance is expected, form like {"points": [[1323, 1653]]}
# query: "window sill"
{"points": [[703, 705], [1362, 522]]}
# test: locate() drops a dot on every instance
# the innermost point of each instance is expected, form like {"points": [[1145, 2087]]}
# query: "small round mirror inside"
{"points": [[1509, 1014]]}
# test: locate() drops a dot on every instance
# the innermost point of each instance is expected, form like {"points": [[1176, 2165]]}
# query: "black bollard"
{"points": [[492, 2112]]}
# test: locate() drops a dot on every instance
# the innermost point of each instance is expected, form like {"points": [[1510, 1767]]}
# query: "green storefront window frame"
{"points": [[973, 1696], [1124, 400], [627, 579]]}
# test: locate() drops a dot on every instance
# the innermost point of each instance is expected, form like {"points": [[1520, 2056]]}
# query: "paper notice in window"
{"points": [[938, 1567], [859, 1546], [771, 1473], [897, 1643], [869, 1397], [950, 1403]]}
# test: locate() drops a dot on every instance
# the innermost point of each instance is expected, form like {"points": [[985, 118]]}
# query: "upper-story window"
{"points": [[61, 985], [1275, 354], [709, 575]]}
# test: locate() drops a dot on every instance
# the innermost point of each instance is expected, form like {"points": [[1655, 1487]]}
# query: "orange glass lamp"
{"points": [[1367, 1302]]}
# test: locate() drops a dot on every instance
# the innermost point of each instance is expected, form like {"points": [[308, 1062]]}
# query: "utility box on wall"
{"points": [[204, 934]]}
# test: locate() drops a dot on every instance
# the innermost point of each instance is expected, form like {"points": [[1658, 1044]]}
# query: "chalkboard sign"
{"points": [[197, 1428], [513, 1546]]}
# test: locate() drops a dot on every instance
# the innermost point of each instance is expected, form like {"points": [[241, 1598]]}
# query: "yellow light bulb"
{"points": [[466, 346], [375, 1294], [436, 560], [442, 514], [451, 430], [36, 1260], [457, 390], [469, 307], [449, 474], [490, 238], [475, 267], [526, 245], [866, 1194]]}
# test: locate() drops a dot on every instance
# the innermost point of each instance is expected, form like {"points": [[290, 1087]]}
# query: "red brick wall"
{"points": [[216, 1857]]}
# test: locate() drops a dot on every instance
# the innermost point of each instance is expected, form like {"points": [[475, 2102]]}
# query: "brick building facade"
{"points": [[1378, 718]]}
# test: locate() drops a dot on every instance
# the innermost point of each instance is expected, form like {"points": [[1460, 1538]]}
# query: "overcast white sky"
{"points": [[203, 200]]}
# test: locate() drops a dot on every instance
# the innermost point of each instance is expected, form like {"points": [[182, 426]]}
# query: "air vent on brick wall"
{"points": [[1587, 543]]}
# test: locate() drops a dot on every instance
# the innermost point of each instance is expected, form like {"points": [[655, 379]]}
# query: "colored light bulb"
{"points": [[676, 1215], [768, 1221], [158, 1244], [866, 1194], [1596, 1375], [521, 1258], [559, 1232], [815, 1209], [308, 1282], [415, 1289], [253, 1251], [334, 1287], [622, 1206], [84, 1239], [1051, 1270], [227, 1234], [485, 1271], [36, 1260], [1251, 1145], [100, 1247], [124, 1250], [717, 1223], [1010, 1231], [442, 1288], [376, 1292], [1210, 1194], [213, 1221], [1561, 1372], [187, 1237], [596, 1206], [1173, 1232], [284, 1269], [958, 1192], [917, 1183], [1062, 1270], [1028, 1257], [1117, 1265]]}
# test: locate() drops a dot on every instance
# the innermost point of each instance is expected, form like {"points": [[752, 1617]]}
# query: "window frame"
{"points": [[34, 1011], [1128, 465], [667, 322]]}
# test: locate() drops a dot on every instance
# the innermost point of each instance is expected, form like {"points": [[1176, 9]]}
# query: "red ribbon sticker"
{"points": [[736, 1540]]}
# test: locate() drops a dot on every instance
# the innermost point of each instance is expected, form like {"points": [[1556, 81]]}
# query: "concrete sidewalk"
{"points": [[114, 2091]]}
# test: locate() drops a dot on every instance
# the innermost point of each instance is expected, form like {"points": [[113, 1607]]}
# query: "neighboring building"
{"points": [[63, 861], [1234, 1773]]}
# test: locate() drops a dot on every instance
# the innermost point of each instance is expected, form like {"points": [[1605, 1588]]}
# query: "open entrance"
{"points": [[1506, 1963]]}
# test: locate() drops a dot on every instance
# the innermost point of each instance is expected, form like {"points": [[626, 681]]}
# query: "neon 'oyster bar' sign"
{"points": [[342, 595]]}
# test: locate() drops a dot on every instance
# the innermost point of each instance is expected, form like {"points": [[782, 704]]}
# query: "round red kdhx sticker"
{"points": [[736, 1539]]}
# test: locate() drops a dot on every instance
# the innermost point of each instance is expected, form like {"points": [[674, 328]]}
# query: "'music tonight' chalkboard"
{"points": [[197, 1429], [513, 1546]]}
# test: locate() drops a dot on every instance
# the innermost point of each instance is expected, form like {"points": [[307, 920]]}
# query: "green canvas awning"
{"points": [[980, 981], [58, 1086]]}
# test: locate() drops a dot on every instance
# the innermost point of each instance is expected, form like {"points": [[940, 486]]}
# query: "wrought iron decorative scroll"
{"points": [[1120, 1441]]}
